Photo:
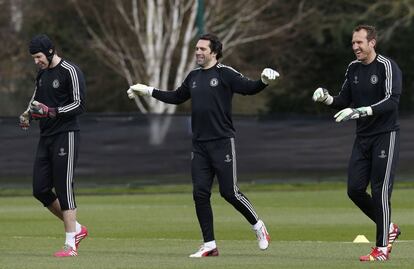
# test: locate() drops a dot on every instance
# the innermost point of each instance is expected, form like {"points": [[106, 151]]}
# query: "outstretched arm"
{"points": [[243, 85], [180, 95]]}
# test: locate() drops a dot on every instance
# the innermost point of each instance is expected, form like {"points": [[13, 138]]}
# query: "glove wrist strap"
{"points": [[328, 100], [52, 112]]}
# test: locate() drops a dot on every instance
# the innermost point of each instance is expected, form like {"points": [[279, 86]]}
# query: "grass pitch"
{"points": [[309, 229]]}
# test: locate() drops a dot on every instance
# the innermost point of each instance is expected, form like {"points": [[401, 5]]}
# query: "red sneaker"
{"points": [[375, 255], [393, 235], [205, 252], [66, 251], [81, 235]]}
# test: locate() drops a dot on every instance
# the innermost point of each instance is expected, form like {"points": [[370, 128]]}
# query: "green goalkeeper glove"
{"points": [[353, 113]]}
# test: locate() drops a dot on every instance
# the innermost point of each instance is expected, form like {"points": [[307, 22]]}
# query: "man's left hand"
{"points": [[39, 110], [269, 76], [352, 113]]}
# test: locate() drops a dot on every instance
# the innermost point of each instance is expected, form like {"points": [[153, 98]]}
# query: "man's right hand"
{"points": [[139, 90], [322, 95], [24, 120]]}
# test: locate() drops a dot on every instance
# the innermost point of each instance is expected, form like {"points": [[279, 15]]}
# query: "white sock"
{"points": [[258, 225], [211, 244], [70, 240], [384, 250], [78, 227]]}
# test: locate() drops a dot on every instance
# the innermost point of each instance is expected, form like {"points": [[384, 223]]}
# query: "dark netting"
{"points": [[117, 149]]}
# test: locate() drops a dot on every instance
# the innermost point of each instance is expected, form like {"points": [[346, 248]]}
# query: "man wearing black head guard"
{"points": [[57, 101], [42, 43]]}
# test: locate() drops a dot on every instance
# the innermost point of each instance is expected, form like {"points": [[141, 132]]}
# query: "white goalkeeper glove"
{"points": [[139, 90], [322, 95], [269, 76], [353, 113]]}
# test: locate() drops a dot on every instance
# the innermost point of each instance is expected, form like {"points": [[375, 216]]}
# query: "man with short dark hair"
{"points": [[370, 95], [211, 87], [57, 101]]}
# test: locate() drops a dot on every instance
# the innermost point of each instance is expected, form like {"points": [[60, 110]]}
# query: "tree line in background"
{"points": [[117, 43]]}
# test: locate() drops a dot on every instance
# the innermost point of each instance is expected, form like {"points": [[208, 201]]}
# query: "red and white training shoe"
{"points": [[393, 235], [263, 237], [205, 252], [80, 236], [375, 255], [66, 251]]}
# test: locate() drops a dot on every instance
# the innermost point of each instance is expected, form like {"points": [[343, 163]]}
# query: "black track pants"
{"points": [[216, 158], [374, 160]]}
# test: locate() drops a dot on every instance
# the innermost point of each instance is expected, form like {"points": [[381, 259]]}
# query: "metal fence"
{"points": [[116, 148]]}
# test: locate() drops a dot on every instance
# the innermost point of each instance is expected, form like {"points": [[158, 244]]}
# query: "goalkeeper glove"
{"points": [[39, 110], [322, 95], [139, 90], [353, 113], [24, 120], [269, 76]]}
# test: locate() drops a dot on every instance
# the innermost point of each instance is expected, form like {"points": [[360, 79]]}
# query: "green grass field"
{"points": [[309, 229]]}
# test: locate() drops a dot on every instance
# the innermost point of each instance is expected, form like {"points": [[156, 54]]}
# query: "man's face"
{"points": [[40, 60], [203, 54], [364, 50]]}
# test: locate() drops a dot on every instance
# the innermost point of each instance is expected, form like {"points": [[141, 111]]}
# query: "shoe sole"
{"points": [[211, 253]]}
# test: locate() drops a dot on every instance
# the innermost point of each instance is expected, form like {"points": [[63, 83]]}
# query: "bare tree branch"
{"points": [[300, 16]]}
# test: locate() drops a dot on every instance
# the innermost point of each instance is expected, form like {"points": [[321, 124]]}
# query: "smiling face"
{"points": [[363, 48], [40, 60], [205, 58]]}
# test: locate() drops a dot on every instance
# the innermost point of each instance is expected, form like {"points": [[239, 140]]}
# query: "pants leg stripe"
{"points": [[385, 190], [69, 172], [237, 194]]}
